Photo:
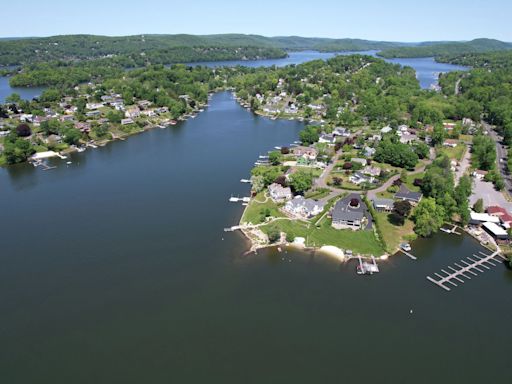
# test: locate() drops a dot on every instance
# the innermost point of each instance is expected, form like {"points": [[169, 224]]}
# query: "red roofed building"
{"points": [[505, 217]]}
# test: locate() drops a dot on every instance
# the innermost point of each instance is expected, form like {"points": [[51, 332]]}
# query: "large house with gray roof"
{"points": [[405, 194], [304, 208], [351, 213]]}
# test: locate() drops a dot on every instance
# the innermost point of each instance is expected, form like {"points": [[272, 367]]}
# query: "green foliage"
{"points": [[483, 152], [479, 206], [301, 181], [268, 174], [396, 154], [275, 157], [428, 217], [17, 150], [309, 135]]}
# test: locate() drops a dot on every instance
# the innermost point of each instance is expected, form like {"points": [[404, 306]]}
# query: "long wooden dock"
{"points": [[470, 267], [409, 255]]}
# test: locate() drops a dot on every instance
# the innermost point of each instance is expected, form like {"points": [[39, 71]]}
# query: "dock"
{"points": [[233, 199], [247, 181], [409, 255], [471, 267], [365, 268], [453, 230]]}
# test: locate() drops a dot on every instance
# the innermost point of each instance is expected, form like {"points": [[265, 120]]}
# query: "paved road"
{"points": [[463, 166], [490, 196], [501, 153]]}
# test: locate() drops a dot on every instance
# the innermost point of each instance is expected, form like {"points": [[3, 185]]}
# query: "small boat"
{"points": [[80, 149], [247, 181], [233, 199], [406, 247], [173, 122], [278, 148], [68, 162]]}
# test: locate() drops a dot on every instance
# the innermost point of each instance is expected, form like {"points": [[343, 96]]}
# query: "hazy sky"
{"points": [[397, 20]]}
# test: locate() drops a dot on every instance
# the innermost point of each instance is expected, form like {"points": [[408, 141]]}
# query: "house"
{"points": [[162, 110], [126, 121], [369, 151], [496, 231], [452, 143], [372, 171], [93, 106], [408, 138], [132, 112], [351, 213], [480, 218], [329, 139], [504, 216], [305, 208], [144, 103], [53, 139], [479, 174], [92, 113], [149, 113], [448, 126], [339, 131], [310, 153], [64, 118], [83, 127], [386, 129], [404, 194], [278, 193], [383, 205], [358, 178]]}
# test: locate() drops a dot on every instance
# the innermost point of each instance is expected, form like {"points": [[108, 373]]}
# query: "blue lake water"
{"points": [[115, 269]]}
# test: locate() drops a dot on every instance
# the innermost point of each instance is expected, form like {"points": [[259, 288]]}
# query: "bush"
{"points": [[23, 130], [274, 235]]}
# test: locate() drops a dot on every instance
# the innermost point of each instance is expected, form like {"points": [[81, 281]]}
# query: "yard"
{"points": [[453, 153], [394, 234], [363, 242], [260, 207]]}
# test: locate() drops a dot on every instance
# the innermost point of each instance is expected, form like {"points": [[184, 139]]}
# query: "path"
{"points": [[463, 166]]}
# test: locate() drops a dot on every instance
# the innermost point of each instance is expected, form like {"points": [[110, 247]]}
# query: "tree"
{"points": [[479, 206], [115, 116], [483, 152], [273, 235], [337, 181], [428, 217], [275, 157], [422, 150], [401, 209], [23, 130], [309, 135], [17, 150], [438, 135], [13, 98], [301, 181], [258, 183]]}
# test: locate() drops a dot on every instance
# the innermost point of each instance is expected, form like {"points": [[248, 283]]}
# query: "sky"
{"points": [[386, 20]]}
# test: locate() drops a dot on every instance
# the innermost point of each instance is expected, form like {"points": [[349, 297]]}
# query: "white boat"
{"points": [[80, 149], [406, 246], [233, 199], [68, 162], [245, 181], [278, 148]]}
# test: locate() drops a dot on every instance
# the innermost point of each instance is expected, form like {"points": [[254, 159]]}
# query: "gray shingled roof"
{"points": [[405, 194]]}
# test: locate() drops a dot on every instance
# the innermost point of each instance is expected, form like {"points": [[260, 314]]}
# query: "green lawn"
{"points": [[255, 211], [317, 194], [393, 234], [410, 181], [453, 153], [363, 242]]}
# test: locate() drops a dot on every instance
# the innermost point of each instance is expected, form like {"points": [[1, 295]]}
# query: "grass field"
{"points": [[363, 242], [453, 153], [255, 212], [393, 235]]}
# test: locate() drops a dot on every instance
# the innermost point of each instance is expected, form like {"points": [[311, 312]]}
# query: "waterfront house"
{"points": [[383, 205], [127, 121], [496, 231], [144, 103], [405, 194], [83, 127], [303, 208], [351, 213], [328, 139], [132, 112], [278, 193], [480, 218], [502, 213], [93, 106], [310, 153]]}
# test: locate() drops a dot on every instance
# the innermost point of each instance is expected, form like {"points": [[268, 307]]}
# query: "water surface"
{"points": [[116, 269]]}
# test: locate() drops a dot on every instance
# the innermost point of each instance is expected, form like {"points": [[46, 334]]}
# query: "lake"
{"points": [[427, 69], [115, 268]]}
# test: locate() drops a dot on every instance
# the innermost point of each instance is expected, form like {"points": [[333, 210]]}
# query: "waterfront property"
{"points": [[303, 208], [351, 213], [278, 193], [405, 194]]}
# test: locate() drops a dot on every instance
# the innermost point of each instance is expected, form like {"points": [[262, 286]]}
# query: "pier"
{"points": [[409, 255], [465, 269], [237, 199]]}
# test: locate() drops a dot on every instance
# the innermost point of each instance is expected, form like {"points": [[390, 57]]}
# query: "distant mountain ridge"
{"points": [[19, 51]]}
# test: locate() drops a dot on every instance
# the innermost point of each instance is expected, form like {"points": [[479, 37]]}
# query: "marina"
{"points": [[477, 263]]}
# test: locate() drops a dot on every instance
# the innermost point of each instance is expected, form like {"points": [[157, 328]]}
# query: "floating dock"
{"points": [[409, 255], [233, 199], [365, 268], [471, 266]]}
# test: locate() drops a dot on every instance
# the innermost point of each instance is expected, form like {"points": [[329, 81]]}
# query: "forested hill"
{"points": [[437, 49], [170, 48]]}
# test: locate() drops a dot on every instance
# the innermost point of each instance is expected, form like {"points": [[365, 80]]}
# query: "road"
{"points": [[501, 153]]}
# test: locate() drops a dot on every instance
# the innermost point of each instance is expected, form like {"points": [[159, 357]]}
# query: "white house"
{"points": [[305, 208], [278, 193]]}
